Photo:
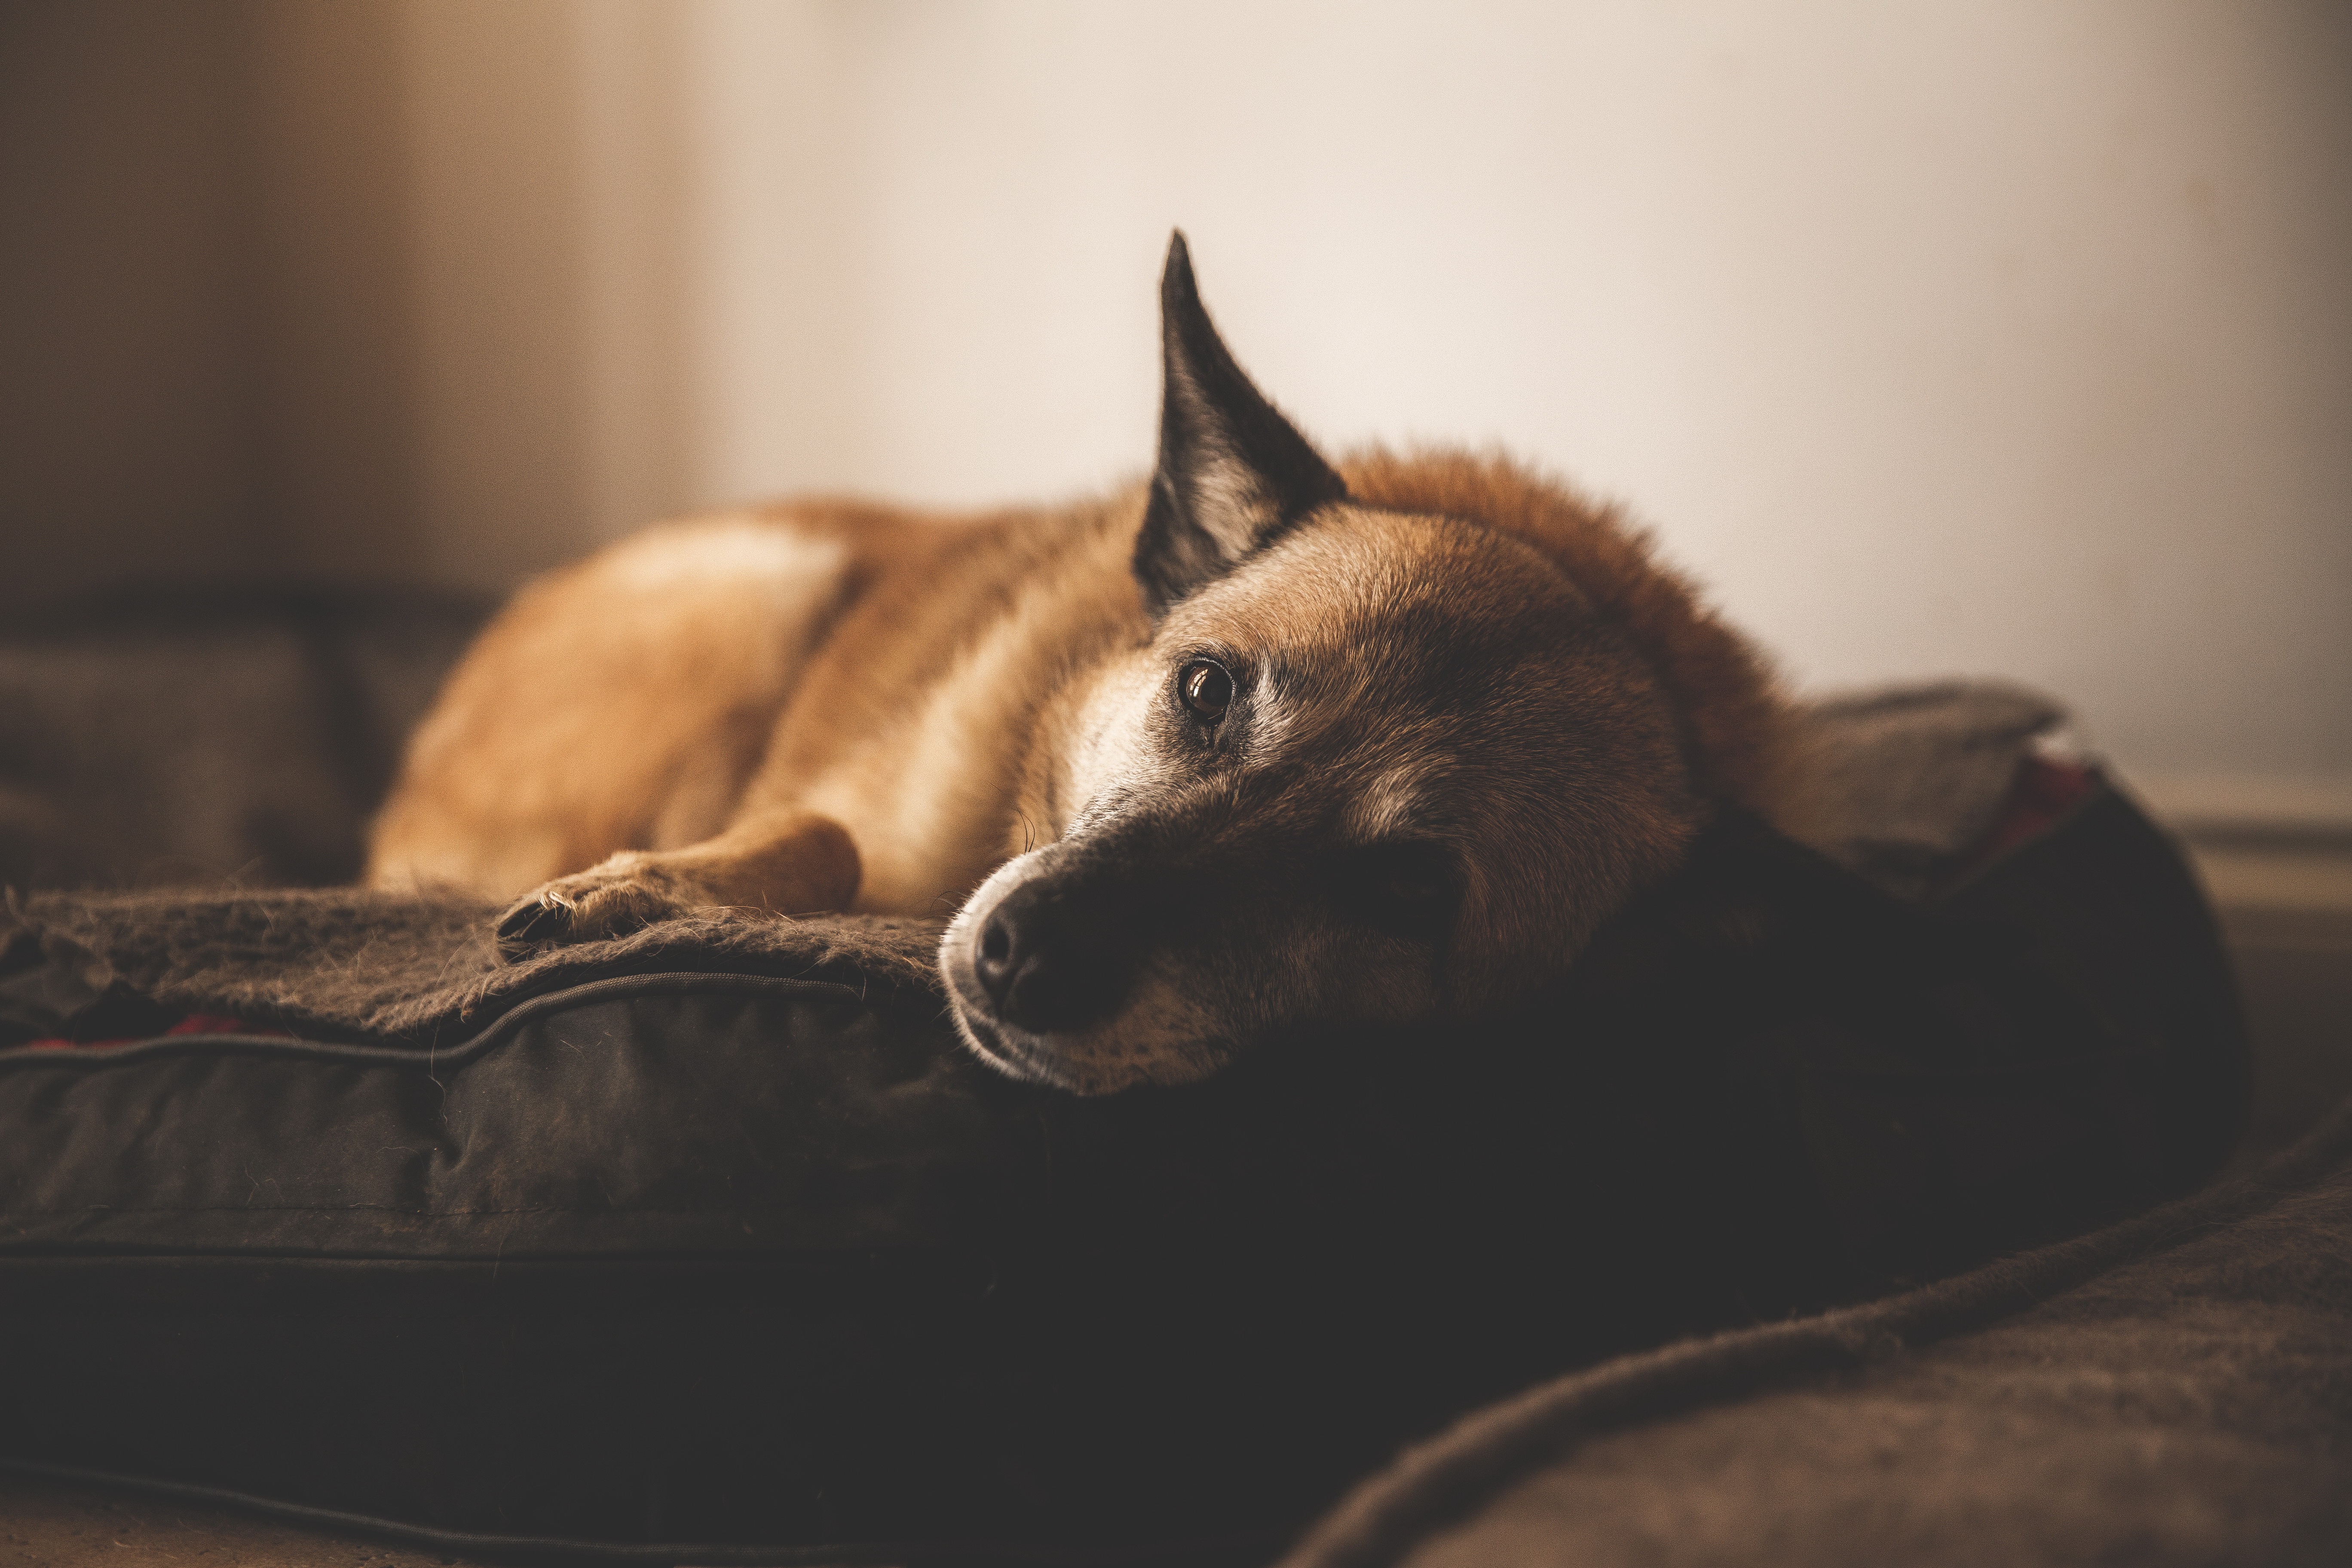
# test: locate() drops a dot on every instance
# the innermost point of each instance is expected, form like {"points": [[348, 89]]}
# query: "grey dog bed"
{"points": [[710, 1244]]}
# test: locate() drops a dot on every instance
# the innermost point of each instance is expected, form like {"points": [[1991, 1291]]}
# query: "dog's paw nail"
{"points": [[533, 923]]}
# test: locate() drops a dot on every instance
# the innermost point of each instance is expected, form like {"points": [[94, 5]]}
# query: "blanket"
{"points": [[2174, 1390]]}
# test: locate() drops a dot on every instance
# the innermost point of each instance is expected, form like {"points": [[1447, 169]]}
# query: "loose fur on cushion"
{"points": [[2174, 1390]]}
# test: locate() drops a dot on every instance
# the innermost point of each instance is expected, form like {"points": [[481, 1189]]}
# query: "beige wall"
{"points": [[306, 290], [1991, 337], [128, 371], [1994, 337], [324, 90]]}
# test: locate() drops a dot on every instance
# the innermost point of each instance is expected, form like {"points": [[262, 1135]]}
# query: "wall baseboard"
{"points": [[2273, 850], [2265, 808], [2276, 856], [2314, 879]]}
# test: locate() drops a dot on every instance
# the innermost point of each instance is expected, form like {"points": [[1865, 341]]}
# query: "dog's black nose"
{"points": [[1048, 965]]}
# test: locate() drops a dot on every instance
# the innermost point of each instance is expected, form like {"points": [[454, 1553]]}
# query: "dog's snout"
{"points": [[1047, 965], [999, 956]]}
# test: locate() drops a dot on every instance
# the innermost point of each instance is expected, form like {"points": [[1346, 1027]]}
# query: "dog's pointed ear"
{"points": [[1233, 471]]}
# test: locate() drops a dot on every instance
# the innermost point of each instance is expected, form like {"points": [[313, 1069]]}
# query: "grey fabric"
{"points": [[348, 962], [147, 744], [1222, 1301], [1903, 779], [2175, 1390]]}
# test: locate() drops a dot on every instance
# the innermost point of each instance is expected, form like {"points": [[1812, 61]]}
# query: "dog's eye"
{"points": [[1207, 687]]}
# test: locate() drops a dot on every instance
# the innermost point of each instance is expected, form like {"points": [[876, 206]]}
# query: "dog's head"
{"points": [[1375, 764]]}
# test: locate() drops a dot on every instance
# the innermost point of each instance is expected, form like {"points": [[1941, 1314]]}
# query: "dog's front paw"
{"points": [[607, 900]]}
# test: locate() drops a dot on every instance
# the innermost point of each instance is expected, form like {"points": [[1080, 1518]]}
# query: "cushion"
{"points": [[711, 1244]]}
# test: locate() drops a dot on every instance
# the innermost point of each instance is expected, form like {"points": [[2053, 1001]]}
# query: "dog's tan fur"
{"points": [[827, 706]]}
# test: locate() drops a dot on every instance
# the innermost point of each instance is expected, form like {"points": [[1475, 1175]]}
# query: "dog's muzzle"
{"points": [[1049, 963], [1036, 953], [1038, 957], [1064, 968]]}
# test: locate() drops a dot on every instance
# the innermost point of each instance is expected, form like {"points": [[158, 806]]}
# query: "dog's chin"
{"points": [[1143, 1044], [1018, 1054], [1101, 1060], [1016, 1057]]}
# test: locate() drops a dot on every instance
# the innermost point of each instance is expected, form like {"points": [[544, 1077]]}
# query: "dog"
{"points": [[1266, 741]]}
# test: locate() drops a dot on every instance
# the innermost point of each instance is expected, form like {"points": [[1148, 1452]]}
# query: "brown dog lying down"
{"points": [[1266, 740]]}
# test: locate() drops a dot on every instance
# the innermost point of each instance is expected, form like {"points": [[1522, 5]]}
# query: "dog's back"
{"points": [[629, 701]]}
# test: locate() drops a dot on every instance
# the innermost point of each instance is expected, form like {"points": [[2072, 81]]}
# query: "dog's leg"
{"points": [[620, 704], [786, 863]]}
